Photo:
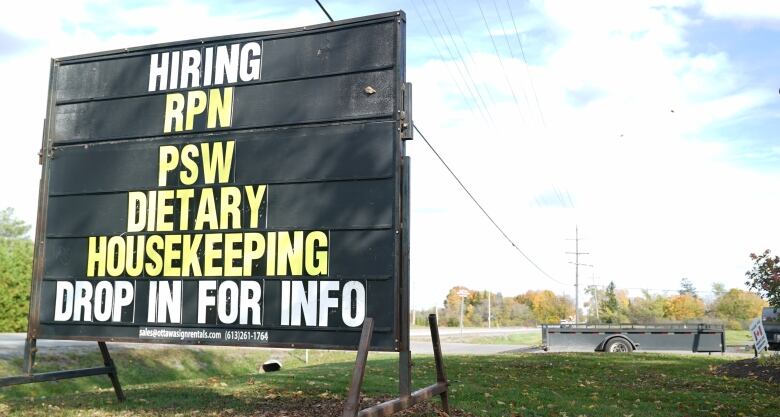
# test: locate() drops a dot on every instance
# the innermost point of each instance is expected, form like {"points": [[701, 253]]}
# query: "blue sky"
{"points": [[655, 129]]}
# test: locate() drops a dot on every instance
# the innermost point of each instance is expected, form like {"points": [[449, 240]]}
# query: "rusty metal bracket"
{"points": [[108, 368], [352, 405], [407, 133]]}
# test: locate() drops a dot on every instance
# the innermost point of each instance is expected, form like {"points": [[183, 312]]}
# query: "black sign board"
{"points": [[239, 190]]}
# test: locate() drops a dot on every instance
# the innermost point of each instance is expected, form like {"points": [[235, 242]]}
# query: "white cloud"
{"points": [[745, 10], [655, 198]]}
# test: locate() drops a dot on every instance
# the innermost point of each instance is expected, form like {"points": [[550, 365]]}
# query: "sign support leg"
{"points": [[393, 406], [352, 405], [30, 349], [405, 373], [120, 395], [441, 375]]}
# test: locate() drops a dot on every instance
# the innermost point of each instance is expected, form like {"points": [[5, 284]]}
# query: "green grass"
{"points": [[524, 339], [225, 382], [738, 338]]}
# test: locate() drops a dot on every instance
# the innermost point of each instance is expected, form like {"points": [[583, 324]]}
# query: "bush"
{"points": [[16, 256]]}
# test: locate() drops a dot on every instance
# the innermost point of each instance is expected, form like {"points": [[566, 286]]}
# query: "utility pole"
{"points": [[596, 296], [463, 293], [461, 315], [577, 264], [488, 309]]}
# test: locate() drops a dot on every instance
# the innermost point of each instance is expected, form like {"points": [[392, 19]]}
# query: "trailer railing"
{"points": [[672, 326]]}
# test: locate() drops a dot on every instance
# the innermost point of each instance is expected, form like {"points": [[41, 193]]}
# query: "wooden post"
{"points": [[352, 405], [439, 388], [441, 375]]}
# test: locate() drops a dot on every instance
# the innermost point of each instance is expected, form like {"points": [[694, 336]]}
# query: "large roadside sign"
{"points": [[238, 190]]}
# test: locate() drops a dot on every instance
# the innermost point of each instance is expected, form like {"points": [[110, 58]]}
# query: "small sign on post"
{"points": [[759, 336]]}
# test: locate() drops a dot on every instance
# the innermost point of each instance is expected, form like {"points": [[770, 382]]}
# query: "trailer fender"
{"points": [[600, 347]]}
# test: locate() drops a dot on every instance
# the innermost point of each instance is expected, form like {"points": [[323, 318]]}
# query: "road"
{"points": [[12, 344]]}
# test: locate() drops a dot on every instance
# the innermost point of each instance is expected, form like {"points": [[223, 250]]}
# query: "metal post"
{"points": [[112, 374], [404, 353], [306, 357]]}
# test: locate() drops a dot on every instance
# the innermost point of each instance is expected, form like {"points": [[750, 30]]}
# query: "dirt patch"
{"points": [[750, 368], [307, 407]]}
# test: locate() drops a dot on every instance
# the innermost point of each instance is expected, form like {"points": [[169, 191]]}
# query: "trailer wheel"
{"points": [[618, 345]]}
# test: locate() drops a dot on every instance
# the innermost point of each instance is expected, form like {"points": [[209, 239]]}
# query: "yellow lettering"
{"points": [[115, 264], [290, 252], [317, 253], [164, 209], [136, 211], [254, 246], [151, 216], [169, 159], [220, 107], [270, 256], [155, 265], [211, 254], [135, 264], [232, 254], [171, 255], [190, 173], [184, 196], [230, 208], [207, 210], [190, 267], [96, 256], [196, 104], [255, 198], [217, 163]]}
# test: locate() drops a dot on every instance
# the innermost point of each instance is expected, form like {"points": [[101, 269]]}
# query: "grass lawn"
{"points": [[738, 338], [524, 339], [225, 382]]}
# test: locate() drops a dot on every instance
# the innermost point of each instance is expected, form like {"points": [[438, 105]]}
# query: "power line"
{"points": [[323, 10], [509, 46], [500, 61], [527, 258], [457, 50], [441, 55], [525, 61], [468, 50], [449, 51]]}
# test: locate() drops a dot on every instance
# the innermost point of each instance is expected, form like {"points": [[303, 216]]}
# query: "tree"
{"points": [[683, 307], [546, 306], [686, 287], [718, 288], [451, 314], [597, 297], [646, 309], [16, 255], [611, 309], [10, 226], [764, 277], [738, 305]]}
